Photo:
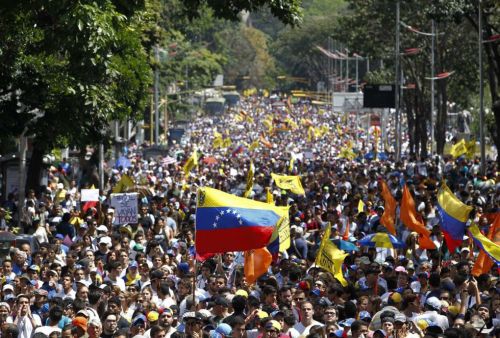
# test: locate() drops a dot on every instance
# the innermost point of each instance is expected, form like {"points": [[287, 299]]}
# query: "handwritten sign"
{"points": [[125, 206], [90, 195]]}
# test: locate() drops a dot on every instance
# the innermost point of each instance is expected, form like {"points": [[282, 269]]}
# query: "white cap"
{"points": [[105, 240], [8, 287], [102, 228]]}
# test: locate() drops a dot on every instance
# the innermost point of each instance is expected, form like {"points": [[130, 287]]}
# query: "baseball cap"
{"points": [[138, 319], [273, 324], [434, 303], [222, 330], [8, 287], [80, 322], [262, 314], [241, 292], [105, 240], [34, 267], [102, 228], [153, 316]]}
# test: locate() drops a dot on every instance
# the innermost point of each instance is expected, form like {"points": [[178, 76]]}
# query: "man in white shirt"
{"points": [[26, 321], [307, 321], [115, 270]]}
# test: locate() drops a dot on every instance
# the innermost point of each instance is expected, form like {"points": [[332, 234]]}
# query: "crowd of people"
{"points": [[89, 277]]}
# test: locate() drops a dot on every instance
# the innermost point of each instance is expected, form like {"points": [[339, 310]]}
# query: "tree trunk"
{"points": [[410, 115], [35, 166]]}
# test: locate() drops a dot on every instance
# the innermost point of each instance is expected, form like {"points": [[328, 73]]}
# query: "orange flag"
{"points": [[256, 264], [413, 221], [484, 263], [389, 216]]}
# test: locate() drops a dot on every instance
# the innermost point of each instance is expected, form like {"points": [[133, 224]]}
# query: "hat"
{"points": [[400, 318], [192, 315], [7, 287], [346, 322], [466, 249], [83, 313], [102, 228], [138, 247], [273, 324], [138, 319], [410, 266], [105, 240], [34, 267], [434, 303], [153, 316], [241, 292], [183, 267], [80, 322], [395, 297], [262, 314], [6, 305], [59, 236], [223, 329], [401, 269], [365, 315], [41, 292]]}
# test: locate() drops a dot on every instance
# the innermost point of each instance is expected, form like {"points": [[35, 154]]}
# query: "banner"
{"points": [[126, 208], [90, 195]]}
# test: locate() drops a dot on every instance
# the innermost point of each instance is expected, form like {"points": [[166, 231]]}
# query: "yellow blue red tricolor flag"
{"points": [[454, 215], [226, 222], [490, 248]]}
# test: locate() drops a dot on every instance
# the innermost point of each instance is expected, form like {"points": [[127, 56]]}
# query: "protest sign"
{"points": [[90, 195], [125, 206]]}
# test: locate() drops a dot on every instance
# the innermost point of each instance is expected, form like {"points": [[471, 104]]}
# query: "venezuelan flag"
{"points": [[490, 248], [453, 214], [225, 222]]}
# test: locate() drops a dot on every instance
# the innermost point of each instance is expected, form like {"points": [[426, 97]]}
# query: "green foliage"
{"points": [[81, 64], [288, 11]]}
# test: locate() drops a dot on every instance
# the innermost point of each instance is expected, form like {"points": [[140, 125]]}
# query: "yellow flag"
{"points": [[249, 187], [459, 148], [269, 196], [280, 239], [347, 153], [218, 142], [292, 161], [471, 149], [124, 184], [217, 134], [291, 183], [361, 206], [330, 258], [254, 145], [268, 124], [191, 162], [227, 142]]}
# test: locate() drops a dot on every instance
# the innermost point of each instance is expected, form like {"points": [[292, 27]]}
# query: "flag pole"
{"points": [[195, 267]]}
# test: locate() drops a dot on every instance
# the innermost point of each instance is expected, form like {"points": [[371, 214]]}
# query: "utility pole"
{"points": [[433, 42], [481, 91], [156, 96], [397, 88]]}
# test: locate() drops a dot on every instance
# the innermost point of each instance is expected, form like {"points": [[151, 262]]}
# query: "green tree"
{"points": [[81, 64]]}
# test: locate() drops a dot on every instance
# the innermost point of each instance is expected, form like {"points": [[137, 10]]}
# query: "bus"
{"points": [[232, 98], [215, 105]]}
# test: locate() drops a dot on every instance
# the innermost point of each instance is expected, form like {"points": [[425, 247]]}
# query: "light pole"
{"points": [[481, 91], [396, 89], [23, 148], [433, 43], [156, 95]]}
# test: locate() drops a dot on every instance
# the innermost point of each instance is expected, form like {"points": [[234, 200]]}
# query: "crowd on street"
{"points": [[89, 276]]}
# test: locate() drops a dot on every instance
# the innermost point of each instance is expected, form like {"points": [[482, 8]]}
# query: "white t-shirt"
{"points": [[119, 282], [304, 330], [25, 326]]}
